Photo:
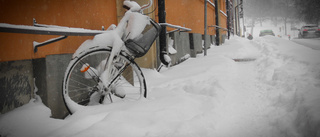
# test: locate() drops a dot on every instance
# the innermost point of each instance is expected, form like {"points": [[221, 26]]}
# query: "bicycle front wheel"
{"points": [[82, 83]]}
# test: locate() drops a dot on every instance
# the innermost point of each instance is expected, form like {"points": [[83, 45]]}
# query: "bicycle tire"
{"points": [[78, 89]]}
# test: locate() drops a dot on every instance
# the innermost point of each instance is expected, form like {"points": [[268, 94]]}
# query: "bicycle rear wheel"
{"points": [[82, 83]]}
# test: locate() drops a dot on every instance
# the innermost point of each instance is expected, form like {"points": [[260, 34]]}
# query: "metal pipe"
{"points": [[243, 26], [228, 18], [36, 44], [217, 23], [235, 20], [218, 27], [163, 33], [175, 26], [205, 28], [211, 3], [65, 31]]}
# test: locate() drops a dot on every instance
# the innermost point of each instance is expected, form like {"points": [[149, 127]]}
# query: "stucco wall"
{"points": [[71, 13]]}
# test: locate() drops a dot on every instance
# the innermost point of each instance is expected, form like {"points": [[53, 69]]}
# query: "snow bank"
{"points": [[32, 119], [277, 94], [293, 71], [238, 49]]}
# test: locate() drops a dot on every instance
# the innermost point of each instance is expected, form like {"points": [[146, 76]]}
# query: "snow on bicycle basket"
{"points": [[141, 44]]}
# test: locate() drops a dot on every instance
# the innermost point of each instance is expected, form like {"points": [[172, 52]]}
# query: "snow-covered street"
{"points": [[313, 43], [267, 87]]}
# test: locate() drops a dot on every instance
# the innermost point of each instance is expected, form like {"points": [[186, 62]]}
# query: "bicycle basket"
{"points": [[140, 46]]}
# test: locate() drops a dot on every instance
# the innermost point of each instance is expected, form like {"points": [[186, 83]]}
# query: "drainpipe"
{"points": [[217, 9], [228, 18], [163, 33], [205, 29], [235, 20]]}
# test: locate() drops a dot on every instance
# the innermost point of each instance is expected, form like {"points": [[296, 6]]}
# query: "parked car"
{"points": [[309, 31], [266, 32]]}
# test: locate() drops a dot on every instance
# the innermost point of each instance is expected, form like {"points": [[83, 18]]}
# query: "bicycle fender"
{"points": [[104, 40]]}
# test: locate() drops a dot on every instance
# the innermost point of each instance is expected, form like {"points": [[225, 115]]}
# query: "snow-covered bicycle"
{"points": [[103, 70]]}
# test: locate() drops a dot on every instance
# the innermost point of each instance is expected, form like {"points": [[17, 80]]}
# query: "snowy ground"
{"points": [[275, 95], [313, 43]]}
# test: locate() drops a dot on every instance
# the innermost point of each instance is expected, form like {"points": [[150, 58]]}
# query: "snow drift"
{"points": [[275, 93]]}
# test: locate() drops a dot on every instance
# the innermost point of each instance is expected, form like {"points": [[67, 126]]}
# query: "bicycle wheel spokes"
{"points": [[81, 85], [127, 80], [129, 86]]}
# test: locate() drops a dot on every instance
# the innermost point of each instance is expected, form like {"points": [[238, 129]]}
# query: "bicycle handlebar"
{"points": [[147, 5]]}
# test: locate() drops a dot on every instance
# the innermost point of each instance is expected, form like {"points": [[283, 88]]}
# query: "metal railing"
{"points": [[42, 29], [177, 28], [218, 27]]}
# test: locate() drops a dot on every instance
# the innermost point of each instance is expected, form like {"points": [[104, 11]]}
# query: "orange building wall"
{"points": [[190, 14], [223, 18], [89, 14], [223, 22]]}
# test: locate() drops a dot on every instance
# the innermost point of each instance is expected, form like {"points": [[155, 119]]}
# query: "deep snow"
{"points": [[276, 94]]}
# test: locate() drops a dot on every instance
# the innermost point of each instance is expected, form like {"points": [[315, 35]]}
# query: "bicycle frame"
{"points": [[115, 40], [105, 65]]}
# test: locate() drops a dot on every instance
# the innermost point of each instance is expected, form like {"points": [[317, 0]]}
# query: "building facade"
{"points": [[22, 68]]}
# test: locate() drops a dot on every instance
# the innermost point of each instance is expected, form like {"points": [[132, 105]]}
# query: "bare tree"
{"points": [[258, 9], [283, 9]]}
